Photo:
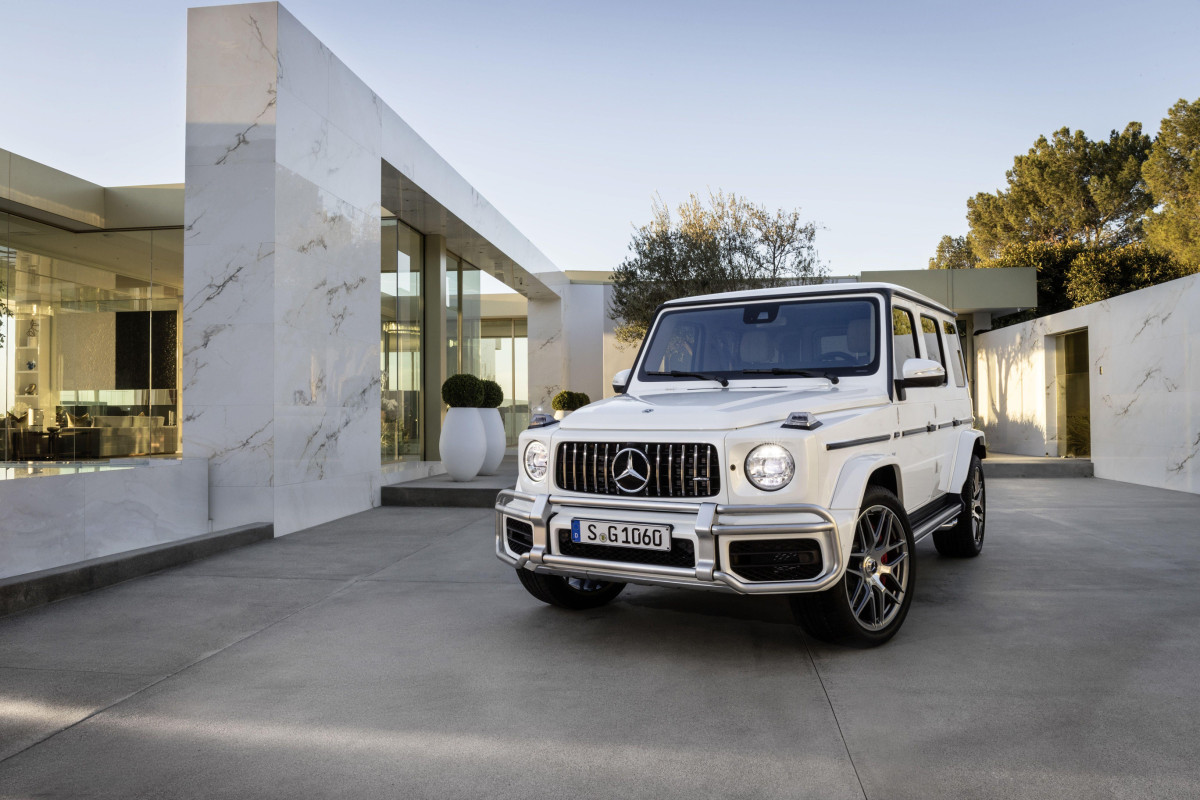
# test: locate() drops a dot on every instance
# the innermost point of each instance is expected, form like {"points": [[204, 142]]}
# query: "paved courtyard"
{"points": [[390, 655]]}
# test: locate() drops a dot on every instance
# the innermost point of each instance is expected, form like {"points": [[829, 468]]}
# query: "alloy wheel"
{"points": [[877, 575], [977, 500]]}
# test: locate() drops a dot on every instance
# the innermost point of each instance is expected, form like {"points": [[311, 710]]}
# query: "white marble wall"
{"points": [[1144, 349], [547, 341], [281, 263], [77, 514]]}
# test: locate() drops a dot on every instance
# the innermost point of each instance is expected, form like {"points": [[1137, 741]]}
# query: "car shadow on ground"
{"points": [[765, 608]]}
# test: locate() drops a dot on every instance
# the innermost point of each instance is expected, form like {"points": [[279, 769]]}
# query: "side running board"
{"points": [[929, 518]]}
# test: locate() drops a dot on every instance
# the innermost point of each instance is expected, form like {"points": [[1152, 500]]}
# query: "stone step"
{"points": [[1004, 465], [441, 491]]}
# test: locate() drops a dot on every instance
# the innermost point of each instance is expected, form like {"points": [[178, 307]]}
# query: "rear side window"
{"points": [[904, 337], [933, 342], [954, 349]]}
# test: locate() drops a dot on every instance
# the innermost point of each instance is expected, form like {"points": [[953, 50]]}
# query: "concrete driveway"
{"points": [[390, 655]]}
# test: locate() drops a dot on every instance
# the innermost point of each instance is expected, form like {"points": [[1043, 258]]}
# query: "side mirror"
{"points": [[921, 372], [620, 381]]}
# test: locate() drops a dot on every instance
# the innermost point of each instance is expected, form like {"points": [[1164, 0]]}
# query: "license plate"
{"points": [[621, 534]]}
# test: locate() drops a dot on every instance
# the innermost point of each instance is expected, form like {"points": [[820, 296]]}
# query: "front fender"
{"points": [[852, 481]]}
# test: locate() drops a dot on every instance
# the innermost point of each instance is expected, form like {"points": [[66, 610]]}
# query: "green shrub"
{"points": [[462, 391], [569, 401], [493, 395]]}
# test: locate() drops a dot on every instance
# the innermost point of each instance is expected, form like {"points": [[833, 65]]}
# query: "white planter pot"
{"points": [[463, 443], [561, 415], [493, 432]]}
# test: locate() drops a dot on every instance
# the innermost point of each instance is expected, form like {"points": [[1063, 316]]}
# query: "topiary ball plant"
{"points": [[569, 401], [493, 395], [462, 391]]}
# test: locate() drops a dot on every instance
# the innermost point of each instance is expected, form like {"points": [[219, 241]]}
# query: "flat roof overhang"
{"points": [[411, 204], [966, 291]]}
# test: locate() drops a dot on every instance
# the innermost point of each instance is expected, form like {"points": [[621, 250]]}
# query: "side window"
{"points": [[904, 337], [933, 342], [954, 347]]}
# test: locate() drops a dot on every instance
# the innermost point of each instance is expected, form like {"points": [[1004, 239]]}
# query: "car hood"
{"points": [[716, 409]]}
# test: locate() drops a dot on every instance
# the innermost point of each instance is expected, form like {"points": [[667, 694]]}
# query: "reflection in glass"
{"points": [[504, 358], [463, 314], [400, 342], [1074, 395], [91, 352]]}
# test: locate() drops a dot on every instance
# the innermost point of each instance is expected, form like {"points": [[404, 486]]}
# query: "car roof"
{"points": [[812, 290]]}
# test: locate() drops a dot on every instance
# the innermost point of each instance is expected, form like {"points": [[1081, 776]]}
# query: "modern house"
{"points": [[265, 343]]}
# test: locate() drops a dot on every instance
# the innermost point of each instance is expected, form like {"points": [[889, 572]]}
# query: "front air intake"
{"points": [[519, 535], [762, 560]]}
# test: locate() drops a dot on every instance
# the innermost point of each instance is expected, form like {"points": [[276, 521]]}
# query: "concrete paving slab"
{"points": [[151, 626], [36, 703], [1061, 663], [348, 548], [421, 690], [466, 555]]}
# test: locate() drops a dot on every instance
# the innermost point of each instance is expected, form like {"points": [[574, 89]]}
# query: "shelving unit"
{"points": [[28, 349]]}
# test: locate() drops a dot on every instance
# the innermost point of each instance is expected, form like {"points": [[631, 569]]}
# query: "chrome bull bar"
{"points": [[711, 521]]}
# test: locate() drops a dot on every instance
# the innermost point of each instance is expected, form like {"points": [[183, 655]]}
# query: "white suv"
{"points": [[794, 441]]}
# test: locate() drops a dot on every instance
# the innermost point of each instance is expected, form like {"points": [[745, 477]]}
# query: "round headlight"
{"points": [[770, 467], [536, 459]]}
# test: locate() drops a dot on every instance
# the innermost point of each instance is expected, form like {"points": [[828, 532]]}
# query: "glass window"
{"points": [[90, 342], [956, 357], [743, 340], [904, 338], [463, 314], [452, 314], [504, 354], [400, 342], [933, 342], [470, 314]]}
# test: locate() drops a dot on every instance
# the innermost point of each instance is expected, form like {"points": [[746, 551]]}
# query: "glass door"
{"points": [[1074, 396]]}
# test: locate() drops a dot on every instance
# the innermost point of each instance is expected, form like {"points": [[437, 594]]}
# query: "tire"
{"points": [[965, 539], [576, 594], [881, 564]]}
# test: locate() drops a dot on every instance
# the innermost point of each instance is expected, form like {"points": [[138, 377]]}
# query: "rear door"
{"points": [[916, 448], [942, 413]]}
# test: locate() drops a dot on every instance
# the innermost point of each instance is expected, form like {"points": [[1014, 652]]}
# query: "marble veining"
{"points": [[1144, 384], [281, 347], [242, 138]]}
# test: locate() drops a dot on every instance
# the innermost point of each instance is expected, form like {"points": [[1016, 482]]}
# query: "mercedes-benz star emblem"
{"points": [[631, 470]]}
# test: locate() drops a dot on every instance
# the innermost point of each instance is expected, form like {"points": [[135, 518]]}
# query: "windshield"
{"points": [[806, 338]]}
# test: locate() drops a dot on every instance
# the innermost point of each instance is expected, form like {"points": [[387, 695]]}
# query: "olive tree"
{"points": [[724, 244]]}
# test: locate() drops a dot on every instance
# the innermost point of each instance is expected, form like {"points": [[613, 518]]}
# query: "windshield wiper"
{"points": [[803, 373], [704, 376]]}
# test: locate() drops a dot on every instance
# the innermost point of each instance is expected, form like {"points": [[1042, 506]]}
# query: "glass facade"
{"points": [[504, 358], [400, 314], [462, 316], [91, 353], [493, 348]]}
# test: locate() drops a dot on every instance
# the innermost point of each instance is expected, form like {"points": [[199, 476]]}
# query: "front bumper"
{"points": [[710, 526]]}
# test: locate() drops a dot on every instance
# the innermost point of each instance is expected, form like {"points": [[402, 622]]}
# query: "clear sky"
{"points": [[878, 120]]}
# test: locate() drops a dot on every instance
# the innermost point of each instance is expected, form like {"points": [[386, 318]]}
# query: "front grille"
{"points": [[775, 559], [681, 554], [519, 535], [674, 470]]}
